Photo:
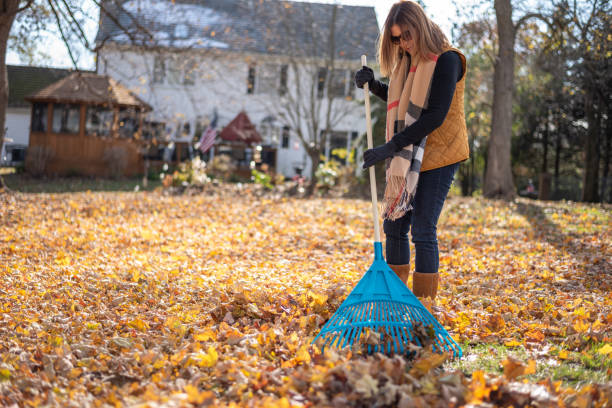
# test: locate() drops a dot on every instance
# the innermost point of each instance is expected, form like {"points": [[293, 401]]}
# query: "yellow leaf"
{"points": [[303, 356], [139, 325], [479, 386], [512, 343], [5, 374], [92, 325], [563, 354], [205, 336], [210, 358], [580, 326], [605, 350]]}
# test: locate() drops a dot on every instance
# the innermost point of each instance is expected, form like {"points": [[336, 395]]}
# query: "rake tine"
{"points": [[398, 330], [350, 336], [348, 316], [394, 333]]}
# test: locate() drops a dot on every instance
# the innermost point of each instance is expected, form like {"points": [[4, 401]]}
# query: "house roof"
{"points": [[89, 88], [240, 129], [260, 26], [24, 80]]}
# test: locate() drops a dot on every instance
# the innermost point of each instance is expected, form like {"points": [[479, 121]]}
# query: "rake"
{"points": [[381, 302]]}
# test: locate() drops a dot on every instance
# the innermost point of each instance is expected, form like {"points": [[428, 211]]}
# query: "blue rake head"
{"points": [[381, 302]]}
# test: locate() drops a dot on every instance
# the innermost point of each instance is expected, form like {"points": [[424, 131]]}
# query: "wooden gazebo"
{"points": [[86, 124]]}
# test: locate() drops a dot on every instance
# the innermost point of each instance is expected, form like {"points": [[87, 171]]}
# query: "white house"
{"points": [[23, 81], [269, 58]]}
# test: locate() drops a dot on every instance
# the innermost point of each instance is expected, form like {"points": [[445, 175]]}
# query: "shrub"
{"points": [[191, 172], [327, 174], [259, 177], [221, 167]]}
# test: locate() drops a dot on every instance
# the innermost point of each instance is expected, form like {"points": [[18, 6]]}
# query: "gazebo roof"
{"points": [[91, 88], [240, 129]]}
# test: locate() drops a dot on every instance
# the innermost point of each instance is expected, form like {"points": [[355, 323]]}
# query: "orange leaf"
{"points": [[512, 368]]}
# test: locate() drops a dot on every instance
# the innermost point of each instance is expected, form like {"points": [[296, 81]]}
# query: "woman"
{"points": [[426, 136]]}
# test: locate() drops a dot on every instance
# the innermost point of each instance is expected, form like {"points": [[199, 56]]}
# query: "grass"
{"points": [[26, 184], [573, 369]]}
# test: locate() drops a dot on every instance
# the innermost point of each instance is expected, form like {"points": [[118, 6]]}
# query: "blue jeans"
{"points": [[431, 192]]}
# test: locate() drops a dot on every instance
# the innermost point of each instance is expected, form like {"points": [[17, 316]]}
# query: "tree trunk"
{"points": [[544, 186], [558, 153], [605, 183], [498, 181], [545, 143], [315, 159], [544, 179], [8, 9], [607, 191], [591, 151]]}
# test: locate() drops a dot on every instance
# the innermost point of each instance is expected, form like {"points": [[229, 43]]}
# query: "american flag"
{"points": [[208, 136]]}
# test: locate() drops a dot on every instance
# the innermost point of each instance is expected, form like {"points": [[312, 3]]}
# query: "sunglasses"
{"points": [[405, 35]]}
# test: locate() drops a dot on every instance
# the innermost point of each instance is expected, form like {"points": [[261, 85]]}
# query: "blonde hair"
{"points": [[409, 16]]}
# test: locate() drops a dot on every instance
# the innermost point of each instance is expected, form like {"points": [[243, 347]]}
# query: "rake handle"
{"points": [[366, 93]]}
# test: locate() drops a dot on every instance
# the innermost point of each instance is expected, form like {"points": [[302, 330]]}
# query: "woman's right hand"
{"points": [[364, 75]]}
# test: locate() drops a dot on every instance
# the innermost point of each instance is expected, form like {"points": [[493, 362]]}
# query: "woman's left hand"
{"points": [[377, 154]]}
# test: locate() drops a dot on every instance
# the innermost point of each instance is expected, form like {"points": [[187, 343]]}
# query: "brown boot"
{"points": [[425, 287], [425, 284], [402, 271]]}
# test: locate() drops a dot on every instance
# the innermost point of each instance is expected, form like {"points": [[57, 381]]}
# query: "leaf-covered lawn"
{"points": [[141, 299]]}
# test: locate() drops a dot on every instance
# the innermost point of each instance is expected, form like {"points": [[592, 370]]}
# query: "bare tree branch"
{"points": [[59, 25], [28, 4]]}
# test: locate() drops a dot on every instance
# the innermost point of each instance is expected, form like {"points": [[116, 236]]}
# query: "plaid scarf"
{"points": [[408, 96]]}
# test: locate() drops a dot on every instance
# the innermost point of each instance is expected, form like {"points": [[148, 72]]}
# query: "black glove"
{"points": [[373, 156], [364, 75]]}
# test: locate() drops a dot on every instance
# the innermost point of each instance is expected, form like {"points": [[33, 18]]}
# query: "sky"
{"points": [[440, 11]]}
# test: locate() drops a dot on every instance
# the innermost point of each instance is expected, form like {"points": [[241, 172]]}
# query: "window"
{"points": [[285, 137], [174, 71], [39, 117], [128, 123], [337, 83], [159, 70], [153, 131], [267, 79], [251, 80], [186, 130], [98, 121], [66, 118], [282, 90], [190, 72], [180, 31], [337, 145]]}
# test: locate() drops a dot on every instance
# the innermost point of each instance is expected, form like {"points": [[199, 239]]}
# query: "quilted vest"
{"points": [[448, 144]]}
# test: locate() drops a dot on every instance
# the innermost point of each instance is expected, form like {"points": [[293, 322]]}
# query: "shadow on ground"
{"points": [[579, 245]]}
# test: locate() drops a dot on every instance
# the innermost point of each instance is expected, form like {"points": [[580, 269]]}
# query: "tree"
{"points": [[585, 32], [576, 52], [66, 16], [8, 11], [498, 181], [476, 40]]}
